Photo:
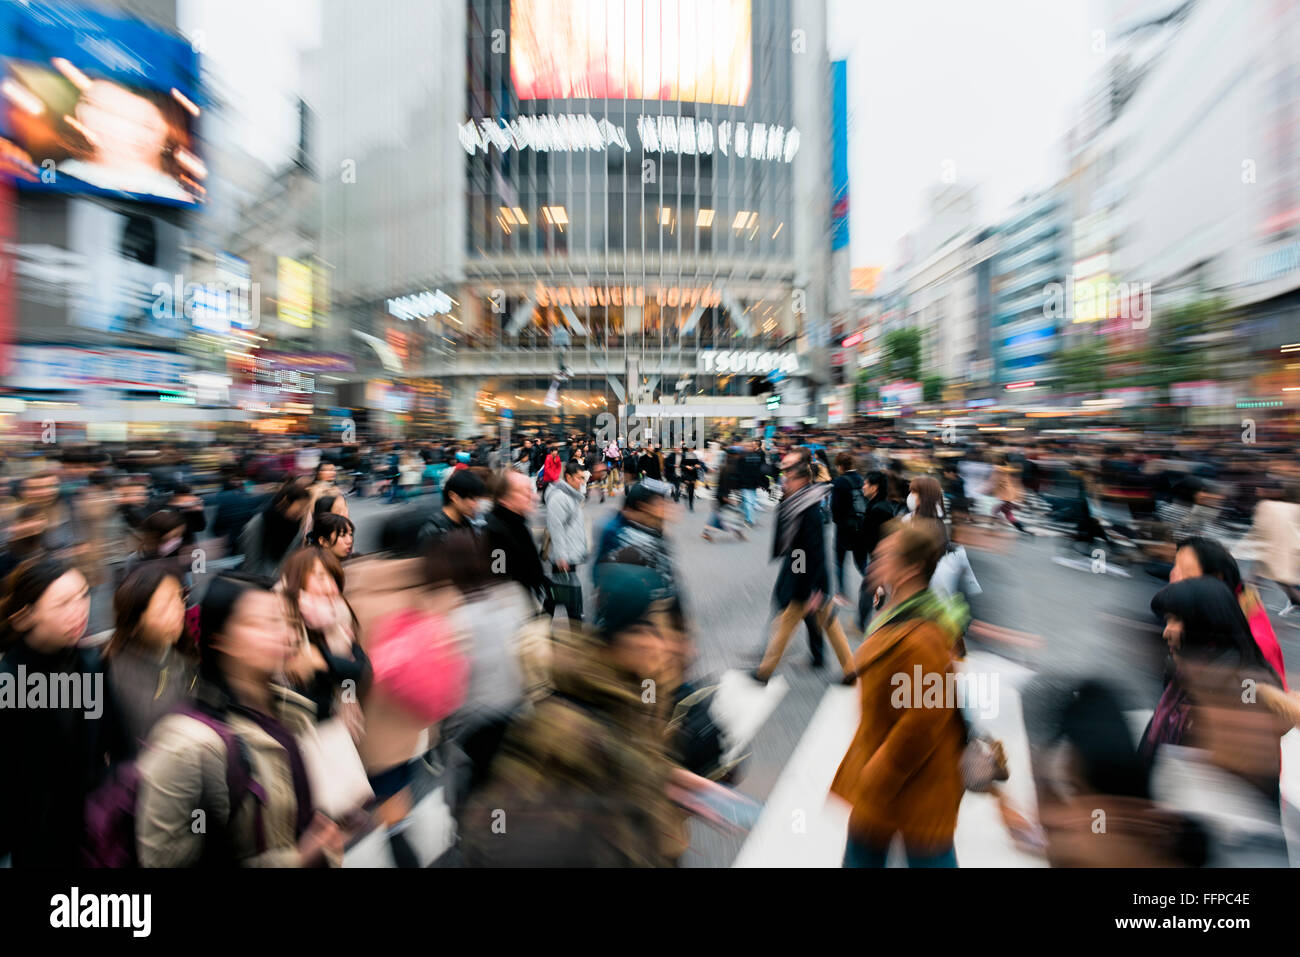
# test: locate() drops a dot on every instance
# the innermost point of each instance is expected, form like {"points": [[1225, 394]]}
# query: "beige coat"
{"points": [[184, 769], [1276, 534]]}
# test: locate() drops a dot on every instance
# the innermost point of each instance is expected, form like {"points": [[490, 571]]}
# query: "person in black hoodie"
{"points": [[846, 492], [803, 584], [510, 543], [56, 749]]}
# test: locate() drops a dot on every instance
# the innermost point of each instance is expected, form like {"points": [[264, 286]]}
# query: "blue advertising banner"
{"points": [[839, 154], [98, 103]]}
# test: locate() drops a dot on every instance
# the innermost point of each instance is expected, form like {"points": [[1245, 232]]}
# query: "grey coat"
{"points": [[568, 531]]}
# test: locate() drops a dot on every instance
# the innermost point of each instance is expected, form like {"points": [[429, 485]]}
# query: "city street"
{"points": [[1083, 623]]}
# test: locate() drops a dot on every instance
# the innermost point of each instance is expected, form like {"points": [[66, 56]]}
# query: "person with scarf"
{"points": [[271, 535], [902, 771], [635, 536], [803, 583]]}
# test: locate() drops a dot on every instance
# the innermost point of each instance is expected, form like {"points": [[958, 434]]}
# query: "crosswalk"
{"points": [[802, 826]]}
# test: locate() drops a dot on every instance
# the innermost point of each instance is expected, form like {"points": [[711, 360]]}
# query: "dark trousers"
{"points": [[843, 545], [857, 854], [690, 495]]}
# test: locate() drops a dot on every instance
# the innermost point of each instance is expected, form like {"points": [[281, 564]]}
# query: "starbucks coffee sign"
{"points": [[737, 361]]}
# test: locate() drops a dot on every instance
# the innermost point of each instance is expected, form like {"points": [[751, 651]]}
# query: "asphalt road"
{"points": [[1069, 615]]}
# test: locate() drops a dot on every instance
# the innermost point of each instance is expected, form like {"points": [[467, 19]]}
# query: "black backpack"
{"points": [[860, 505]]}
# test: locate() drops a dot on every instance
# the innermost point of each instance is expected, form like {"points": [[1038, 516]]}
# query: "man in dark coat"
{"points": [[804, 581], [511, 549]]}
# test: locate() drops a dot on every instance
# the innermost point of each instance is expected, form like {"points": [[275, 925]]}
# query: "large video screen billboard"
{"points": [[694, 50], [95, 103]]}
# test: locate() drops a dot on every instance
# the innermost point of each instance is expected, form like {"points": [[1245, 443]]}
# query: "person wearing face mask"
{"points": [[56, 749], [151, 660], [329, 655], [245, 642], [190, 506]]}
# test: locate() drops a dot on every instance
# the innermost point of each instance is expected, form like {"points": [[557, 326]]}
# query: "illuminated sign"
{"points": [[851, 341], [671, 296], [570, 133], [729, 360], [420, 305], [693, 50]]}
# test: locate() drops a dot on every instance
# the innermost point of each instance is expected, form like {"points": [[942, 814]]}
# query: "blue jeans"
{"points": [[747, 505], [863, 855]]}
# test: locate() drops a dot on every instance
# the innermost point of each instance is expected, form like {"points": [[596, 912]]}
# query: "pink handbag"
{"points": [[416, 663]]}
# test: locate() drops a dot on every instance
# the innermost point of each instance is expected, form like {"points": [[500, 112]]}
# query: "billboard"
{"points": [[293, 292], [692, 50], [67, 367], [96, 103], [118, 262]]}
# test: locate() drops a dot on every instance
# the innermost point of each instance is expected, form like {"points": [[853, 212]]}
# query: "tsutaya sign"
{"points": [[569, 132], [729, 360]]}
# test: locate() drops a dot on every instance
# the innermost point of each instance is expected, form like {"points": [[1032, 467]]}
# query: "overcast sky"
{"points": [[990, 86], [251, 47]]}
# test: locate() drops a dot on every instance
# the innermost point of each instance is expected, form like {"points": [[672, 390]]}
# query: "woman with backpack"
{"points": [[56, 747], [233, 757]]}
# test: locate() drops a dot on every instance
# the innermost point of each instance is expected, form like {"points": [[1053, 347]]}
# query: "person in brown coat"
{"points": [[902, 773]]}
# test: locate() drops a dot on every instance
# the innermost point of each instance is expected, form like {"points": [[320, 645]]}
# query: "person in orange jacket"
{"points": [[902, 772]]}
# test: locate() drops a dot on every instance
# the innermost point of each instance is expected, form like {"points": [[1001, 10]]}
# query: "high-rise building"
{"points": [[101, 170], [581, 207], [1028, 269]]}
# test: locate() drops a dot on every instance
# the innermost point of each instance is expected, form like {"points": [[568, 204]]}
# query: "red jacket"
{"points": [[552, 468]]}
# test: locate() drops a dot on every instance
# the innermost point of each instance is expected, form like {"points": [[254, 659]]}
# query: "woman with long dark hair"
{"points": [[267, 819], [57, 741], [272, 534], [334, 533], [1204, 628], [152, 661], [328, 660], [1213, 741], [1197, 556]]}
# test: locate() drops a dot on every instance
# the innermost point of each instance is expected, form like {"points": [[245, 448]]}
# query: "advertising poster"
{"points": [[691, 50], [96, 103]]}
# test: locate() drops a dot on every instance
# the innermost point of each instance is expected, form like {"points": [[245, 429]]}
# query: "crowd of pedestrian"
{"points": [[236, 661]]}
